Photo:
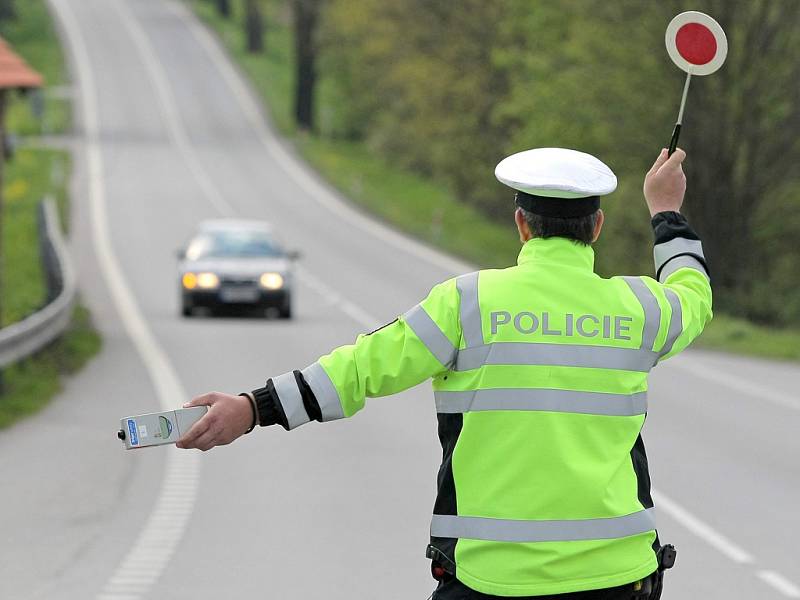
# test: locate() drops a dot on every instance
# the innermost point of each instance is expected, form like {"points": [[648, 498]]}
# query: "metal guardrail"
{"points": [[23, 338]]}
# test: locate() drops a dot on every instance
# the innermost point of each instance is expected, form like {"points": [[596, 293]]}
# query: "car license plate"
{"points": [[243, 295]]}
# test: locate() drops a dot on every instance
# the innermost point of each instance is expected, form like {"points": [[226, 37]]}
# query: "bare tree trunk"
{"points": [[3, 102], [306, 16], [8, 11], [224, 8], [253, 26]]}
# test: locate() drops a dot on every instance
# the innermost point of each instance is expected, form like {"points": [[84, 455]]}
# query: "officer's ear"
{"points": [[522, 226], [598, 226]]}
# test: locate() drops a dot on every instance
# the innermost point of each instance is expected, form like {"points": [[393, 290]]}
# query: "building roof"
{"points": [[14, 71]]}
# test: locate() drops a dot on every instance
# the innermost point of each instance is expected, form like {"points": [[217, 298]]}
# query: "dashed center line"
{"points": [[162, 532], [701, 529], [780, 583]]}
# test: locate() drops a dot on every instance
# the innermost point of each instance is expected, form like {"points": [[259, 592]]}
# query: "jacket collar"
{"points": [[558, 251]]}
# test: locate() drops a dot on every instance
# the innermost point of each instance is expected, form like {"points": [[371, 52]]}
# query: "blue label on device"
{"points": [[132, 430]]}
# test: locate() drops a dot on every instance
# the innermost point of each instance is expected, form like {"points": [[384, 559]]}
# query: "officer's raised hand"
{"points": [[228, 417], [665, 183]]}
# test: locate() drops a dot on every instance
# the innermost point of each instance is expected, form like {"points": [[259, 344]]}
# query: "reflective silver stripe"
{"points": [[652, 312], [564, 401], [675, 322], [470, 309], [681, 262], [324, 391], [291, 400], [507, 530], [428, 331], [663, 252], [556, 355]]}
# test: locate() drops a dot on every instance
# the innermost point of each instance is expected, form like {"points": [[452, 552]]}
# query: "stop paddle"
{"points": [[696, 44]]}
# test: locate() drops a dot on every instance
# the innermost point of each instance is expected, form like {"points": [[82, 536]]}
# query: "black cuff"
{"points": [[254, 410], [669, 225], [270, 411]]}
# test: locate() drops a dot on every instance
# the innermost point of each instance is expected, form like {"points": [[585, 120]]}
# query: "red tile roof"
{"points": [[14, 71]]}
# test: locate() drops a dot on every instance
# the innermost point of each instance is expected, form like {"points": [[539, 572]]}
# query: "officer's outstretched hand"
{"points": [[228, 417], [665, 183]]}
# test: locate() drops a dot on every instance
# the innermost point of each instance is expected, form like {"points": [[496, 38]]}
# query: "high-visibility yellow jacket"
{"points": [[540, 381]]}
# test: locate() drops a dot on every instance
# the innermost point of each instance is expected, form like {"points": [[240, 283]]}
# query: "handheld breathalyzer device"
{"points": [[154, 429]]}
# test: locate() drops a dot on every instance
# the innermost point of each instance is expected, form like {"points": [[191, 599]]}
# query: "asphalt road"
{"points": [[169, 135]]}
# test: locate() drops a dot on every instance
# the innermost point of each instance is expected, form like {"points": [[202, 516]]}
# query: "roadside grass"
{"points": [[412, 203], [28, 385], [31, 174], [731, 334], [31, 383]]}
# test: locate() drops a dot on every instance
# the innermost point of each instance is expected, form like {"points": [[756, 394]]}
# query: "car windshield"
{"points": [[233, 244]]}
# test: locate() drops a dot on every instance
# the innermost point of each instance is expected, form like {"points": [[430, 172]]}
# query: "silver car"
{"points": [[237, 265]]}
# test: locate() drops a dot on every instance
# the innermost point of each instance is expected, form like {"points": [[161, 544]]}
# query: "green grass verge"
{"points": [[32, 174], [32, 36], [30, 384], [731, 334], [414, 204]]}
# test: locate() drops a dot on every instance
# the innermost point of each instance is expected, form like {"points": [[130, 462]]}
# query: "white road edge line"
{"points": [[167, 386], [780, 583]]}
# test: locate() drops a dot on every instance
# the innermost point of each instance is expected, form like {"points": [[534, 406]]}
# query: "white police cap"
{"points": [[556, 181]]}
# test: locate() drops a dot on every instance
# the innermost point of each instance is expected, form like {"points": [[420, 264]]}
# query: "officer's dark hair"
{"points": [[577, 229]]}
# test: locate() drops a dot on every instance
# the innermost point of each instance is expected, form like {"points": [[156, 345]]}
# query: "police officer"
{"points": [[540, 381]]}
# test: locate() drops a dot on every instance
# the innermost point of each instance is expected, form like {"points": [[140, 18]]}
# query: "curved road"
{"points": [[168, 135]]}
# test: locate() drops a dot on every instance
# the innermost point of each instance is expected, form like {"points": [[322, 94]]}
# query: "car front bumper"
{"points": [[236, 298]]}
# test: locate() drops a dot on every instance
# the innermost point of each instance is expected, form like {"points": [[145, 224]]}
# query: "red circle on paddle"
{"points": [[696, 43]]}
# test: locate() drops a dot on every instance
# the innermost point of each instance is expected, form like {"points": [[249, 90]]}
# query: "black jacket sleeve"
{"points": [[270, 410], [675, 238]]}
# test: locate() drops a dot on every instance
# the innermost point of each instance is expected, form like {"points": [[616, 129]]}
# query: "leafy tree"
{"points": [[421, 84], [742, 128], [448, 92]]}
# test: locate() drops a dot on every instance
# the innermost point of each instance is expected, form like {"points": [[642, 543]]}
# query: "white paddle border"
{"points": [[693, 16]]}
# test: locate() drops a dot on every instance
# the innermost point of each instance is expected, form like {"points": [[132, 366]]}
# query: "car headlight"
{"points": [[271, 281], [189, 281], [207, 281]]}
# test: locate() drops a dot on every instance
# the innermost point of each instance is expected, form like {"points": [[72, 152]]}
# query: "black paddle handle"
{"points": [[673, 143]]}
